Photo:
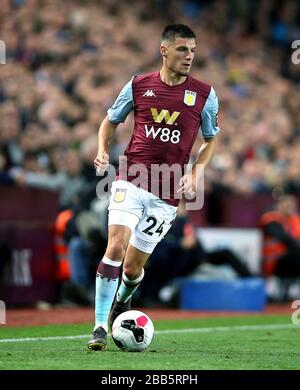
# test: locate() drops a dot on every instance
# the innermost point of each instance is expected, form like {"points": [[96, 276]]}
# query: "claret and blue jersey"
{"points": [[167, 119]]}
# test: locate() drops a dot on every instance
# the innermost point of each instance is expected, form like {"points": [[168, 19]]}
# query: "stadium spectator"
{"points": [[182, 253], [85, 232], [85, 242], [5, 178], [281, 243], [69, 180]]}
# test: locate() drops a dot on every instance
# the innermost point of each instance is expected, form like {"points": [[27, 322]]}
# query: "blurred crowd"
{"points": [[67, 60]]}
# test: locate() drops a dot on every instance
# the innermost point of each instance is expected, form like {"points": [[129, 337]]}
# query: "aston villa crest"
{"points": [[189, 98], [119, 195]]}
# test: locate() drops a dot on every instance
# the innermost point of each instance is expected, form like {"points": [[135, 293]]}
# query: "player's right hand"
{"points": [[101, 163]]}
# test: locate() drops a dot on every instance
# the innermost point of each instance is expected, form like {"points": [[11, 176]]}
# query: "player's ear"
{"points": [[163, 50]]}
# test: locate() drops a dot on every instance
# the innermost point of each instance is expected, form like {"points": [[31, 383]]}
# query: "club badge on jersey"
{"points": [[119, 195], [189, 98]]}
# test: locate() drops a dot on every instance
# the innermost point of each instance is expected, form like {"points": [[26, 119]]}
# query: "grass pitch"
{"points": [[230, 343]]}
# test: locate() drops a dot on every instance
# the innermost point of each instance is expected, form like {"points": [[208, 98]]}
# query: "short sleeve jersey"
{"points": [[167, 121]]}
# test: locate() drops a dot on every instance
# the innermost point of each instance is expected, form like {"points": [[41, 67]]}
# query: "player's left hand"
{"points": [[187, 185]]}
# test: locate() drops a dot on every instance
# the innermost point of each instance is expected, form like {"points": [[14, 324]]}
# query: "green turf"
{"points": [[229, 349]]}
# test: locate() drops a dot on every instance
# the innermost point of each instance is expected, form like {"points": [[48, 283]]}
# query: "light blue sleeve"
{"points": [[122, 106], [209, 116]]}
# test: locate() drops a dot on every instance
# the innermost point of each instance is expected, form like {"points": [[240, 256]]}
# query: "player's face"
{"points": [[179, 55]]}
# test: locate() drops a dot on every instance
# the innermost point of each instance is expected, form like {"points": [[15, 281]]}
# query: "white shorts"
{"points": [[148, 216]]}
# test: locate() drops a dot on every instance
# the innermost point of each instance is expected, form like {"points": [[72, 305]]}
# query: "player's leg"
{"points": [[133, 272], [152, 227], [132, 276], [124, 214], [107, 277], [108, 272]]}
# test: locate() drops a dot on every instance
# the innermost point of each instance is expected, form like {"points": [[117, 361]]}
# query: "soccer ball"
{"points": [[132, 331]]}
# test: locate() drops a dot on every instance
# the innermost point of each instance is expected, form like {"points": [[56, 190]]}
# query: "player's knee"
{"points": [[132, 271], [116, 248]]}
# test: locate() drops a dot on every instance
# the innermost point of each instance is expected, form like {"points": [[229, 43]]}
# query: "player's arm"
{"points": [[209, 129], [115, 115], [206, 152], [105, 135], [188, 183]]}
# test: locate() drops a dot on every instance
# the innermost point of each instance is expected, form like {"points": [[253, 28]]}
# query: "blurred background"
{"points": [[66, 62]]}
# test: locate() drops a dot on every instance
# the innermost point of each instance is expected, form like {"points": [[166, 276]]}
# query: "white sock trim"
{"points": [[114, 263], [134, 281]]}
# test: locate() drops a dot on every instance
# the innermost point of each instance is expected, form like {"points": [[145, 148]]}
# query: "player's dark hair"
{"points": [[173, 31]]}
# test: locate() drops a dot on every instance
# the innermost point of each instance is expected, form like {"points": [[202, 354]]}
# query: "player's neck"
{"points": [[171, 78]]}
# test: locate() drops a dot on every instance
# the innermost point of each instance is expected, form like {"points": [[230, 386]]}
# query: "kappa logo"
{"points": [[164, 114], [149, 93]]}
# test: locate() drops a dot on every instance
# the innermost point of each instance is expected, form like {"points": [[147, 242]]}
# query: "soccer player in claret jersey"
{"points": [[170, 108]]}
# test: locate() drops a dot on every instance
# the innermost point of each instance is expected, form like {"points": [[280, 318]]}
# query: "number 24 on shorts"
{"points": [[153, 227]]}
